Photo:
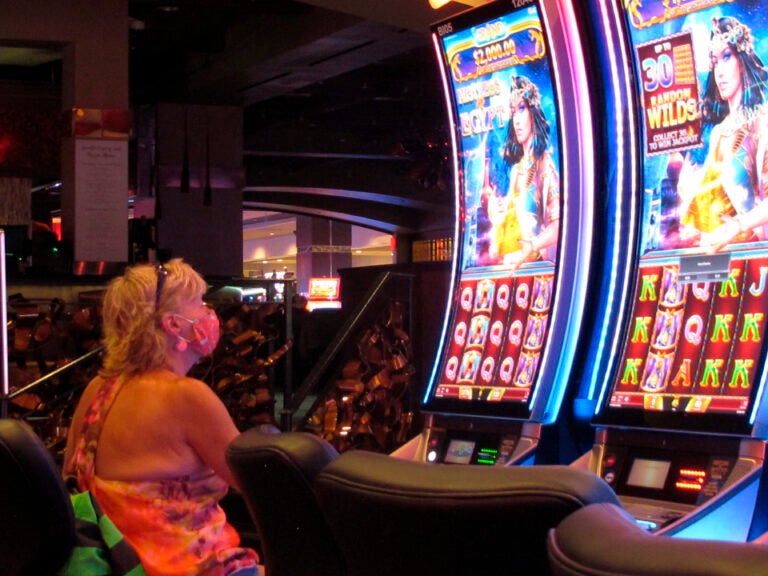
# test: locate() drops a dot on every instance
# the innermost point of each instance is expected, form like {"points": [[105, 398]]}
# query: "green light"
{"points": [[55, 249], [485, 461]]}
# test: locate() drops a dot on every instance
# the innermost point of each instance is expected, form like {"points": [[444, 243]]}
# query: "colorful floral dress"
{"points": [[176, 525]]}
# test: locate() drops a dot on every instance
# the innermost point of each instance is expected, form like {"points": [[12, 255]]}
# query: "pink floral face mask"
{"points": [[207, 333]]}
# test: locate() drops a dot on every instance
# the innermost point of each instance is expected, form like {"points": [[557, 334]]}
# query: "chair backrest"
{"points": [[603, 540], [37, 526], [393, 516], [275, 473]]}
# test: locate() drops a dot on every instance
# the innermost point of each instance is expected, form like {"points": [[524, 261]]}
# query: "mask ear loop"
{"points": [[183, 343]]}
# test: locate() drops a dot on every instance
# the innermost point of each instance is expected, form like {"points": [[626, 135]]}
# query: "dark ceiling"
{"points": [[343, 112], [343, 109]]}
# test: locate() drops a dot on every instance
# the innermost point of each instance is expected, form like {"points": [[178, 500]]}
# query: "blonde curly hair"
{"points": [[133, 338]]}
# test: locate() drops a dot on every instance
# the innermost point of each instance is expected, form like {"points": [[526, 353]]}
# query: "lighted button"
{"points": [[609, 461], [648, 525], [431, 455]]}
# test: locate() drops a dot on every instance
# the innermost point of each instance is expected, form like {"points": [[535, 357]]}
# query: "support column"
{"points": [[93, 38], [199, 193], [94, 197], [15, 216], [322, 247]]}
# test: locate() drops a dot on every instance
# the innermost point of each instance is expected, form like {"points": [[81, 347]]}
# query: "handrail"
{"points": [[6, 398], [347, 330], [4, 382]]}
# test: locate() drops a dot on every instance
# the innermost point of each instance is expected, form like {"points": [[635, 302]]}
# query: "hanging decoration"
{"points": [[207, 191], [184, 183]]}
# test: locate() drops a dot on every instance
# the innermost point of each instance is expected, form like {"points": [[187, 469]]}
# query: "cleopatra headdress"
{"points": [[738, 36], [528, 92]]}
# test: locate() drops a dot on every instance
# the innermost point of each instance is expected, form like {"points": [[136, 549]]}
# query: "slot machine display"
{"points": [[681, 410], [324, 293], [518, 103]]}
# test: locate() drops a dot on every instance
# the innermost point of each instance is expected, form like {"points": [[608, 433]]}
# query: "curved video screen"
{"points": [[694, 349], [500, 79]]}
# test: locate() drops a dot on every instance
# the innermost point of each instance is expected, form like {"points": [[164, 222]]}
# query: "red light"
{"points": [[683, 485], [6, 143], [56, 226]]}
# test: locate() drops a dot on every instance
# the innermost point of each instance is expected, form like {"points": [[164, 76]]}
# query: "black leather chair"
{"points": [[37, 525], [275, 473], [603, 540], [400, 517]]}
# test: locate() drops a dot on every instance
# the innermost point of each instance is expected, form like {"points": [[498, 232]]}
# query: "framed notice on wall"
{"points": [[101, 206]]}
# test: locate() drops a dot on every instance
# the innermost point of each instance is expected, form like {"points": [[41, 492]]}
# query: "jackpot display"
{"points": [[516, 262], [694, 347]]}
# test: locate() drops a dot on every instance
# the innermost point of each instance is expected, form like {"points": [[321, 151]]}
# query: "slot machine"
{"points": [[518, 103], [677, 367]]}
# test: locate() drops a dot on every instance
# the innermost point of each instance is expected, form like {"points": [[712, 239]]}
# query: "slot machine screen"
{"points": [[324, 288], [500, 75], [693, 356], [459, 452], [646, 473]]}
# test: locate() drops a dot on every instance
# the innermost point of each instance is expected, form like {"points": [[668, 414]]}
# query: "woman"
{"points": [[727, 202], [149, 442], [526, 220]]}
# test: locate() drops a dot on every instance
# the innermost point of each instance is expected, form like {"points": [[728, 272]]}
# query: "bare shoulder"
{"points": [[191, 398], [193, 391], [204, 423]]}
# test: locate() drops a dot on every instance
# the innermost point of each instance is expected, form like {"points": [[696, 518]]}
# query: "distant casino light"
{"points": [[437, 4]]}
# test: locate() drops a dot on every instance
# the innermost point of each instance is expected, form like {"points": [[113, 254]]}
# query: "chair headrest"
{"points": [[36, 516], [586, 544], [397, 478], [276, 474], [447, 519], [306, 452]]}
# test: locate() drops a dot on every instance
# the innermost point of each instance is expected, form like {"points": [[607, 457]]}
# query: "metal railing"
{"points": [[6, 398], [351, 327]]}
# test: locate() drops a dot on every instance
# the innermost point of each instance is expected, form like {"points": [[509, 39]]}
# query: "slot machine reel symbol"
{"points": [[502, 297], [541, 293], [465, 300], [478, 329], [522, 295], [451, 368], [497, 332], [534, 333], [525, 368], [470, 363], [484, 296], [460, 334], [515, 333], [672, 290], [667, 329], [506, 369], [655, 377], [486, 369]]}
